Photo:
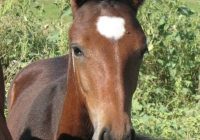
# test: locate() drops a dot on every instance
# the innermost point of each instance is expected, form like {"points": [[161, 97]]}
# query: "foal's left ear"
{"points": [[137, 3], [75, 4]]}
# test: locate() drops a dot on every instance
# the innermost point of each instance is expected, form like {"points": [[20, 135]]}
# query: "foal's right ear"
{"points": [[75, 4]]}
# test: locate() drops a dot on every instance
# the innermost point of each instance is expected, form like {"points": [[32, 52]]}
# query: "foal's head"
{"points": [[107, 44]]}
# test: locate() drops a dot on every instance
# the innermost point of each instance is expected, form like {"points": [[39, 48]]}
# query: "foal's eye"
{"points": [[77, 51]]}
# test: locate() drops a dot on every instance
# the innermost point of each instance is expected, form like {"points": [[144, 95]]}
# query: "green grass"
{"points": [[51, 11], [194, 5]]}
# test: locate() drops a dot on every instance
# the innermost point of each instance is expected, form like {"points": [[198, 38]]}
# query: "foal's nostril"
{"points": [[105, 134]]}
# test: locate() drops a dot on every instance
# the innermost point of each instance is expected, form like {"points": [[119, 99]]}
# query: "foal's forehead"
{"points": [[105, 14], [98, 21], [111, 27]]}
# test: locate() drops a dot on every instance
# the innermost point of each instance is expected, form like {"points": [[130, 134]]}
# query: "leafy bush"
{"points": [[25, 37], [167, 100]]}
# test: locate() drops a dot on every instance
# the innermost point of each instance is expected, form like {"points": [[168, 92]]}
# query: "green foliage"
{"points": [[25, 37], [167, 98]]}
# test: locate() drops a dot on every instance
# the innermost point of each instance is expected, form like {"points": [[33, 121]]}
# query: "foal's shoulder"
{"points": [[36, 76]]}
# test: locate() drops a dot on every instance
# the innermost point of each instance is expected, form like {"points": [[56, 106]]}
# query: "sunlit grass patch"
{"points": [[194, 5], [49, 10]]}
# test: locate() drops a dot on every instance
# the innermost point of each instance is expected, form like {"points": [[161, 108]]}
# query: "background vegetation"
{"points": [[167, 101]]}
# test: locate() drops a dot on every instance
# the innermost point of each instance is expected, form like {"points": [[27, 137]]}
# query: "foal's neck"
{"points": [[74, 121]]}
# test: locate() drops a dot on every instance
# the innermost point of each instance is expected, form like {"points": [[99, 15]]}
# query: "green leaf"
{"points": [[38, 7], [166, 27], [136, 105], [185, 11], [163, 109], [185, 91], [8, 41], [66, 12], [54, 36], [25, 18], [178, 39], [160, 61], [162, 20], [172, 72], [197, 97]]}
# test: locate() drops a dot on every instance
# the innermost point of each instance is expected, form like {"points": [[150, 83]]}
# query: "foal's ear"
{"points": [[137, 3], [75, 4]]}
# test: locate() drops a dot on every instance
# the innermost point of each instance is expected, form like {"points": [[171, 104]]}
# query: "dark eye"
{"points": [[77, 51], [143, 52]]}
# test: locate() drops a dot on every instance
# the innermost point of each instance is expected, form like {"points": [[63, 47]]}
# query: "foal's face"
{"points": [[107, 44]]}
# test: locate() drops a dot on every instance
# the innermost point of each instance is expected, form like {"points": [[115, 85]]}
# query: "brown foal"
{"points": [[86, 94]]}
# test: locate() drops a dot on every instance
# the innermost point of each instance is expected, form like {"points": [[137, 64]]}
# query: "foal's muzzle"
{"points": [[106, 134]]}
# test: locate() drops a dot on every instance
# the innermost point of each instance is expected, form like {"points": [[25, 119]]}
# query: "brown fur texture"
{"points": [[4, 133]]}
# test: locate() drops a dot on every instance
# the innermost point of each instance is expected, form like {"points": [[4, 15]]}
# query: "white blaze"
{"points": [[111, 27]]}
